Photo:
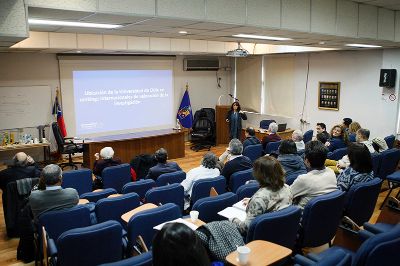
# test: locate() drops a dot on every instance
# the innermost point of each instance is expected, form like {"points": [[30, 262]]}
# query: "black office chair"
{"points": [[203, 133], [65, 147]]}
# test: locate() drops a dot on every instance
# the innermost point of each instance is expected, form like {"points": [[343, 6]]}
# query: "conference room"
{"points": [[119, 74]]}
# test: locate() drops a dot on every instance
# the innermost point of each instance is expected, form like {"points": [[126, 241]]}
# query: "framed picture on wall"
{"points": [[328, 95]]}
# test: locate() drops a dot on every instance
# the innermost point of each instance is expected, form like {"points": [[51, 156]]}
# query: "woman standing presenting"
{"points": [[234, 118]]}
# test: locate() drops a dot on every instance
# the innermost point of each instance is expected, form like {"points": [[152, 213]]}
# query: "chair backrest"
{"points": [[201, 188], [142, 223], [337, 154], [91, 245], [81, 180], [321, 217], [144, 259], [209, 207], [282, 127], [279, 227], [376, 162], [247, 190], [389, 161], [140, 187], [307, 136], [96, 195], [361, 199], [58, 136], [264, 124], [240, 178], [57, 222], [289, 179], [166, 194], [272, 146], [170, 178], [390, 141], [113, 208], [253, 151], [381, 249], [116, 176]]}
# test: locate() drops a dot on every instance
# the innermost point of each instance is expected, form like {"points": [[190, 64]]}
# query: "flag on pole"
{"points": [[184, 114], [58, 112]]}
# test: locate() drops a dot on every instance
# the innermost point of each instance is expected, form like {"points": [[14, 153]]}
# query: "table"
{"points": [[21, 147], [127, 216], [82, 201], [287, 134], [262, 253]]}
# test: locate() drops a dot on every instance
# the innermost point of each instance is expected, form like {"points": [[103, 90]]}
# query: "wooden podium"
{"points": [[222, 126]]}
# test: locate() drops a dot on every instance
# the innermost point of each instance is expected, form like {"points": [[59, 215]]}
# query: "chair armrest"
{"points": [[365, 234], [390, 213], [349, 223], [51, 248], [301, 260], [347, 238]]}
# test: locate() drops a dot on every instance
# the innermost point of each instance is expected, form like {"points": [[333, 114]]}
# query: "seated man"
{"points": [[346, 123], [54, 197], [235, 160], [162, 166], [272, 135], [297, 137], [106, 154], [321, 129], [320, 180], [251, 138], [23, 166]]}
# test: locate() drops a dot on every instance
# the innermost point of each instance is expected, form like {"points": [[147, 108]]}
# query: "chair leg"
{"points": [[388, 194]]}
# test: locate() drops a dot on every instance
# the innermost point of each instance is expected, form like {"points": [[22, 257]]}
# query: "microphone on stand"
{"points": [[236, 99]]}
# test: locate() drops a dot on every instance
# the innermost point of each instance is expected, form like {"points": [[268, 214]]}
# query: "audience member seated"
{"points": [[271, 136], [321, 129], [339, 138], [320, 180], [354, 126], [23, 166], [291, 162], [162, 166], [346, 123], [297, 137], [360, 169], [273, 194], [106, 154], [251, 138], [322, 137], [207, 169], [379, 144], [53, 197], [235, 161], [177, 244]]}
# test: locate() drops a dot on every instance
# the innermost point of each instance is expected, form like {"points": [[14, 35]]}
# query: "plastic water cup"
{"points": [[243, 254], [194, 215], [44, 140], [36, 140]]}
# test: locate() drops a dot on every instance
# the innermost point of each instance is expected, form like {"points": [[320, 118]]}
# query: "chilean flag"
{"points": [[60, 119]]}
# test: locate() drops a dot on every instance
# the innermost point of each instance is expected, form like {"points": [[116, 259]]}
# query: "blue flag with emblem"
{"points": [[184, 114]]}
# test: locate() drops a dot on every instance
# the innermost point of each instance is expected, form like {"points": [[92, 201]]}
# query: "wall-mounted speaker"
{"points": [[388, 78]]}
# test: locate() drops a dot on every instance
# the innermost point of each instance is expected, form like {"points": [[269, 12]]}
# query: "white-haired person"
{"points": [[107, 159], [272, 135], [297, 137]]}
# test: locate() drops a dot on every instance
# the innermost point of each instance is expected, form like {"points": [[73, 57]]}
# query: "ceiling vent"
{"points": [[200, 64]]}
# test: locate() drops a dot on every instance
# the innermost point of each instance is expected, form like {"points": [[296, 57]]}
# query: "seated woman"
{"points": [[106, 154], [273, 194], [272, 135], [207, 169], [177, 244], [339, 138], [379, 144], [360, 169], [291, 162], [354, 126]]}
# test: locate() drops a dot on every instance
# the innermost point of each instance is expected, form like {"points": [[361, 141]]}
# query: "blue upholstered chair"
{"points": [[209, 207], [253, 151], [272, 147], [201, 188], [116, 176], [390, 141], [321, 217], [140, 187], [142, 223], [336, 257], [264, 124], [360, 200], [81, 180], [376, 162], [247, 190], [170, 178], [337, 154], [112, 208], [240, 178], [144, 259], [389, 161], [307, 136], [166, 194], [279, 227], [91, 245], [96, 195]]}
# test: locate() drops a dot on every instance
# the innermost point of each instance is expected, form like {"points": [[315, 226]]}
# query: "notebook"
{"points": [[238, 210]]}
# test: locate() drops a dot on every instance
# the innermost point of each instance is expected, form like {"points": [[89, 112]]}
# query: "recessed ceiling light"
{"points": [[363, 45], [183, 32], [79, 51], [33, 21], [262, 37], [321, 43]]}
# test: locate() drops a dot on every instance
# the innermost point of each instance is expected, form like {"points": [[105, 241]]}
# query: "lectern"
{"points": [[222, 125]]}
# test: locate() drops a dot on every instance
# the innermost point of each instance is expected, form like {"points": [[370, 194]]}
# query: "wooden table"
{"points": [[262, 253], [82, 201], [21, 147], [127, 146], [115, 195], [148, 206], [287, 134]]}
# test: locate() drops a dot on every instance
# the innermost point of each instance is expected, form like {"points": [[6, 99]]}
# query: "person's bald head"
{"points": [[20, 159]]}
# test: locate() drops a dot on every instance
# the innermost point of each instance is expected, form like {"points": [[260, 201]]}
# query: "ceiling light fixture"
{"points": [[238, 52], [358, 45], [33, 21], [262, 37], [183, 32]]}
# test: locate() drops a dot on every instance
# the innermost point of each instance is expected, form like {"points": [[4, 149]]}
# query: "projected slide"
{"points": [[116, 100]]}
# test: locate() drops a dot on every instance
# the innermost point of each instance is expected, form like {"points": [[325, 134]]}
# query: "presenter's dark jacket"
{"points": [[237, 164], [15, 173], [99, 165], [235, 123], [162, 168], [251, 140], [270, 138]]}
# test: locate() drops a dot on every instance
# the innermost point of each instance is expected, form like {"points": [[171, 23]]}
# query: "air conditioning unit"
{"points": [[200, 64]]}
